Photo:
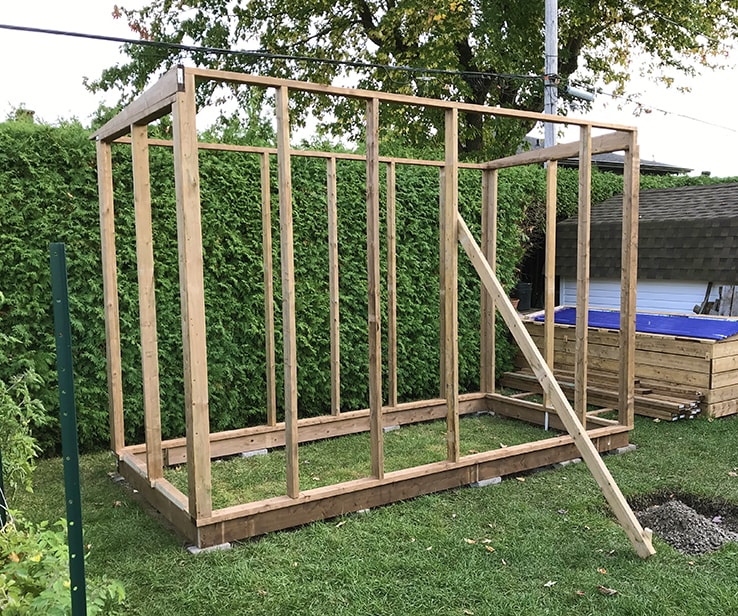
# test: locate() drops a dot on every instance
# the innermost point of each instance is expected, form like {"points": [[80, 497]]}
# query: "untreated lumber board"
{"points": [[449, 222], [266, 252], [628, 279], [373, 287], [241, 440], [162, 495], [265, 516], [390, 97], [147, 302], [289, 326], [391, 287], [613, 142], [192, 296], [581, 359], [640, 538], [152, 104], [333, 280], [110, 296], [488, 310], [550, 268]]}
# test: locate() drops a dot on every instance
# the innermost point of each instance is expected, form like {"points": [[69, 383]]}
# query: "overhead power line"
{"points": [[268, 55], [261, 54]]}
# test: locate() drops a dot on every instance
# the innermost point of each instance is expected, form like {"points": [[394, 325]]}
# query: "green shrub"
{"points": [[34, 574], [48, 192]]}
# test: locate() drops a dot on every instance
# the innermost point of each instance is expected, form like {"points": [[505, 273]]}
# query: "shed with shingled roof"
{"points": [[688, 237]]}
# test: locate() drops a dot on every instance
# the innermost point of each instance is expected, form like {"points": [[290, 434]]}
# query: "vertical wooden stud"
{"points": [[192, 296], [289, 327], [147, 301], [583, 231], [550, 269], [110, 296], [487, 306], [441, 282], [391, 287], [628, 280], [266, 233], [333, 285], [373, 284], [450, 276]]}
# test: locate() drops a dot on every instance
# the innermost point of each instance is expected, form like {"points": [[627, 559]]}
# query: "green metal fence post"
{"points": [[70, 450]]}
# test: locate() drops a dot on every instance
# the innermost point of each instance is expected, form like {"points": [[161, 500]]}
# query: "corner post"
{"points": [[192, 298]]}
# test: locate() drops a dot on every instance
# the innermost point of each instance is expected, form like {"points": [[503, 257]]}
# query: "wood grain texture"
{"points": [[289, 325], [266, 251], [192, 296], [110, 296], [549, 292], [147, 302], [333, 280], [490, 179], [373, 287], [640, 538], [583, 258]]}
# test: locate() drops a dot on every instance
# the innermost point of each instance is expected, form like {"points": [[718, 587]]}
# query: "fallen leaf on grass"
{"points": [[732, 474], [486, 540], [520, 478], [580, 593], [504, 562], [601, 570], [429, 548], [562, 511], [315, 478], [470, 541], [472, 451], [261, 592], [468, 613], [489, 548], [13, 557], [549, 584], [341, 523], [607, 591], [117, 503]]}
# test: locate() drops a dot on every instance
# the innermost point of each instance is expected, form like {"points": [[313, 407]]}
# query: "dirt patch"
{"points": [[688, 523]]}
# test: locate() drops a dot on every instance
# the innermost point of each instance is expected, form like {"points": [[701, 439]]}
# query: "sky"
{"points": [[45, 73]]}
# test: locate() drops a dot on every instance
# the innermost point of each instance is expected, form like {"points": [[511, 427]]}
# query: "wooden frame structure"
{"points": [[193, 514]]}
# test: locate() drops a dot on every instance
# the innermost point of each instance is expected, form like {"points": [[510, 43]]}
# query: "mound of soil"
{"points": [[697, 529]]}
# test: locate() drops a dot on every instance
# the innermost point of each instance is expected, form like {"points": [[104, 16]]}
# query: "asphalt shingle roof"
{"points": [[688, 233]]}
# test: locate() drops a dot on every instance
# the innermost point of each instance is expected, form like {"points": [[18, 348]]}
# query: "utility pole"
{"points": [[550, 80]]}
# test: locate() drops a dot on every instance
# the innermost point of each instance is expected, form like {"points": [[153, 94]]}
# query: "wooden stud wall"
{"points": [[193, 515]]}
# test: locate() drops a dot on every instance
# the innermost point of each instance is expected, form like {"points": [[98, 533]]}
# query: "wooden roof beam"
{"points": [[151, 105], [612, 142]]}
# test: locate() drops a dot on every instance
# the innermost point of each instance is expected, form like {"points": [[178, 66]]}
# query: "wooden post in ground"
{"points": [[373, 284], [487, 305], [639, 537], [550, 269], [110, 296], [147, 302], [450, 256], [628, 279], [333, 280], [391, 288], [583, 233], [192, 296], [289, 327]]}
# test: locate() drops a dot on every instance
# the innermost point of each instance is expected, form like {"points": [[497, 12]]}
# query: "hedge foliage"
{"points": [[48, 192]]}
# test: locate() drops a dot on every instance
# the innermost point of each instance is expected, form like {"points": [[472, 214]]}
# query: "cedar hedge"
{"points": [[48, 192]]}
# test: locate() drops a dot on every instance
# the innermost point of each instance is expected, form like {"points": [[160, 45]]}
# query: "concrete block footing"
{"points": [[492, 481], [390, 428], [193, 549], [256, 452]]}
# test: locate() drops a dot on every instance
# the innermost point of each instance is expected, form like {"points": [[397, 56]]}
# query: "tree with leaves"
{"points": [[486, 51]]}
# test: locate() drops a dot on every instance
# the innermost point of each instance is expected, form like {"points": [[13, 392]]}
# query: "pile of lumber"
{"points": [[655, 399]]}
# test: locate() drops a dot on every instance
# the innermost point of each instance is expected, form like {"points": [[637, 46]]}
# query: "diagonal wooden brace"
{"points": [[639, 537]]}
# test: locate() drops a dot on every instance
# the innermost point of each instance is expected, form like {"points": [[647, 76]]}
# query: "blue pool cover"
{"points": [[668, 324]]}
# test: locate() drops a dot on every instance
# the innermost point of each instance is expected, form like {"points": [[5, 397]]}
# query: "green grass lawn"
{"points": [[494, 550]]}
